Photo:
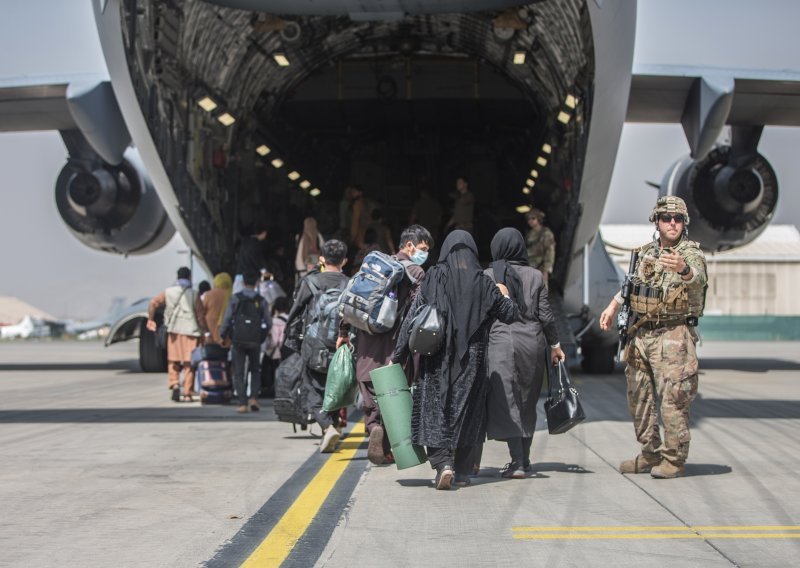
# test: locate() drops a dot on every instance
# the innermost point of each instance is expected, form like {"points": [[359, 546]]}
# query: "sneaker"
{"points": [[513, 470], [639, 464], [243, 409], [667, 470], [444, 478], [329, 440], [254, 405], [375, 447]]}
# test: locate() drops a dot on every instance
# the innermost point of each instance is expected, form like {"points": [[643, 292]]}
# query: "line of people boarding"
{"points": [[500, 336]]}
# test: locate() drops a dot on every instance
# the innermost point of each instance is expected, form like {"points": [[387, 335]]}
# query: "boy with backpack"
{"points": [[247, 323], [381, 280], [317, 303]]}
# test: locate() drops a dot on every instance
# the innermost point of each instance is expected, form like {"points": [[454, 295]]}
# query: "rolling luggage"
{"points": [[208, 352], [213, 383]]}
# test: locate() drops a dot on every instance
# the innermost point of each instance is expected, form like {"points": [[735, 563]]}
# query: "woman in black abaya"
{"points": [[449, 414], [517, 364]]}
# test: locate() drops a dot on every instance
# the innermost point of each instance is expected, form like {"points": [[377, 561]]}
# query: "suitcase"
{"points": [[212, 376], [216, 396], [208, 352]]}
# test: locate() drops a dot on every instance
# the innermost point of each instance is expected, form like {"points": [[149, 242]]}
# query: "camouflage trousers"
{"points": [[662, 366]]}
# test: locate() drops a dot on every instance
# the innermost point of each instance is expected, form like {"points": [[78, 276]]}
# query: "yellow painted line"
{"points": [[277, 545], [661, 528], [629, 536]]}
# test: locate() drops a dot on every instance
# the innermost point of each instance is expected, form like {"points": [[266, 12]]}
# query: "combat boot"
{"points": [[667, 470], [639, 464]]}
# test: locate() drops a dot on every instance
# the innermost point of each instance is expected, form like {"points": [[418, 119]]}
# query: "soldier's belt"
{"points": [[691, 321]]}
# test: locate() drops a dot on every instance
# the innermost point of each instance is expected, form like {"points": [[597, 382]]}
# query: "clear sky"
{"points": [[43, 264]]}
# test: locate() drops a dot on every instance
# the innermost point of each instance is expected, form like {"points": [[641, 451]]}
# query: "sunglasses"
{"points": [[665, 218]]}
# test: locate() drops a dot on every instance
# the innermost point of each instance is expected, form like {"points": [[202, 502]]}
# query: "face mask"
{"points": [[419, 257]]}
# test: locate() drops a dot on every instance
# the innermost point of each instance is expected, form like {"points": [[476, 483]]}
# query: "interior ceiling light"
{"points": [[526, 190], [305, 184], [523, 208], [226, 119], [314, 192], [534, 174], [530, 182], [277, 163], [207, 104], [281, 60], [571, 101], [263, 150], [547, 148], [563, 117], [519, 57], [294, 175], [541, 161]]}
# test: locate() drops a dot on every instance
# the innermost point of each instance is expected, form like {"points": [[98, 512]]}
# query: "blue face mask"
{"points": [[419, 257]]}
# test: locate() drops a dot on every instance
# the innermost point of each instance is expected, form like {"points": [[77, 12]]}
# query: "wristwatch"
{"points": [[685, 271]]}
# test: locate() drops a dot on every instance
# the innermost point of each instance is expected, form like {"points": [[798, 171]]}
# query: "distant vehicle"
{"points": [[82, 327], [29, 327], [245, 108]]}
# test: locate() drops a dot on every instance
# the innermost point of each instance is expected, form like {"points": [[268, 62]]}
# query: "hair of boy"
{"points": [[334, 251], [416, 234]]}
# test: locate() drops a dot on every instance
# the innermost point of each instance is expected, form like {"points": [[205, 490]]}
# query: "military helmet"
{"points": [[669, 204], [535, 213]]}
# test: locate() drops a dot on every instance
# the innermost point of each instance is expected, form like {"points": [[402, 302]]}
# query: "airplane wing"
{"points": [[74, 102], [704, 99]]}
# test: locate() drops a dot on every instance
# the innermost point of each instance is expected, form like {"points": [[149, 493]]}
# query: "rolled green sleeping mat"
{"points": [[394, 401]]}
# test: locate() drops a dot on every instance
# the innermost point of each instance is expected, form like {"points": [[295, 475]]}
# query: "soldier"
{"points": [[541, 244], [668, 295]]}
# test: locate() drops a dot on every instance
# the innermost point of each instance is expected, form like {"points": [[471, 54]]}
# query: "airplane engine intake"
{"points": [[112, 208], [730, 202]]}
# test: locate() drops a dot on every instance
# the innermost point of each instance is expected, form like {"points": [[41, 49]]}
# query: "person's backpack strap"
{"points": [[408, 264]]}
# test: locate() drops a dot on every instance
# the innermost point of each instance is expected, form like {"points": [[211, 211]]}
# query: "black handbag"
{"points": [[161, 336], [427, 331], [563, 410]]}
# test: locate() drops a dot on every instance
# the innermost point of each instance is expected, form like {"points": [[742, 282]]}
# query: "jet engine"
{"points": [[731, 196], [112, 208]]}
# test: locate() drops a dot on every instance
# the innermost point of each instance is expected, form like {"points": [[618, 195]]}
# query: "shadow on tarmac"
{"points": [[129, 365], [700, 469], [140, 415]]}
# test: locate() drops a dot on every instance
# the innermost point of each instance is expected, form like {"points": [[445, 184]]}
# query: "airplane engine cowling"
{"points": [[112, 208], [729, 204]]}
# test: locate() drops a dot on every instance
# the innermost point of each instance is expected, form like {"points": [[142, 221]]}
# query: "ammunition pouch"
{"points": [[671, 302]]}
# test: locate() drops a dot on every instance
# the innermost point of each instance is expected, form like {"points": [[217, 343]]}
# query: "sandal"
{"points": [[187, 398]]}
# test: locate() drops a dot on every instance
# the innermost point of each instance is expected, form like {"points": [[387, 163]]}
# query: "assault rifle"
{"points": [[625, 315]]}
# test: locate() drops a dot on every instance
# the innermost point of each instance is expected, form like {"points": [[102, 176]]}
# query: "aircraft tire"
{"points": [[598, 360], [151, 358]]}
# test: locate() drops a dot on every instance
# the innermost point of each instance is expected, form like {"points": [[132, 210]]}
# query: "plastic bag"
{"points": [[341, 387]]}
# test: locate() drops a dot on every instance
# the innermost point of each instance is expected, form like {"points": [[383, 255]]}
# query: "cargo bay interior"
{"points": [[268, 116]]}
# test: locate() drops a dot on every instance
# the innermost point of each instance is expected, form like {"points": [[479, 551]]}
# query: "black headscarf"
{"points": [[457, 286], [508, 247]]}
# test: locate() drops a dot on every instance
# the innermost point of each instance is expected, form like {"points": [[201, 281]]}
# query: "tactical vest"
{"points": [[665, 294]]}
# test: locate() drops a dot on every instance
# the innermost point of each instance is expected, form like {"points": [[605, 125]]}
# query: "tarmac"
{"points": [[100, 468]]}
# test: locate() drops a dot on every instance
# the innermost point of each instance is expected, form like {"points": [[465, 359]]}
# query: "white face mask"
{"points": [[419, 257]]}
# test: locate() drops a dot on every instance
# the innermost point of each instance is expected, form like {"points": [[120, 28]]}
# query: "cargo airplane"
{"points": [[217, 113]]}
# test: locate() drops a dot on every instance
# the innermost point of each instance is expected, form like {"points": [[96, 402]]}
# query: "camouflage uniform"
{"points": [[541, 246], [661, 356]]}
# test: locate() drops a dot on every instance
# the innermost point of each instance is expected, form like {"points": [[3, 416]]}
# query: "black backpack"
{"points": [[248, 329], [322, 326], [291, 399]]}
